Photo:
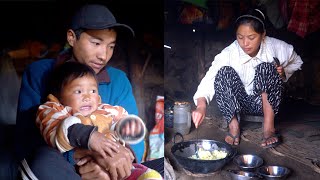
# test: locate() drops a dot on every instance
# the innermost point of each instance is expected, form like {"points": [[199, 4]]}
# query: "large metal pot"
{"points": [[182, 151]]}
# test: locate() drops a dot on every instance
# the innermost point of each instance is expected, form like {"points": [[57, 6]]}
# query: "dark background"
{"points": [[23, 22], [47, 20]]}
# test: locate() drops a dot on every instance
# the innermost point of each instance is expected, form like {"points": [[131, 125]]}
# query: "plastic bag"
{"points": [[156, 137]]}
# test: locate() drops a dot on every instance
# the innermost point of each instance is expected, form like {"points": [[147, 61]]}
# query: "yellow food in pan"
{"points": [[209, 155]]}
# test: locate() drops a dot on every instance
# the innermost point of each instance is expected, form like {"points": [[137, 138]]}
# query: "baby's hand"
{"points": [[102, 145], [132, 127]]}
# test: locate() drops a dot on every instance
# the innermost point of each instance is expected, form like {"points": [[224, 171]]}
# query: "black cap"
{"points": [[95, 16]]}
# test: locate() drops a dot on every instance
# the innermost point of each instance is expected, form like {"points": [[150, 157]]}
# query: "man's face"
{"points": [[81, 94], [94, 47]]}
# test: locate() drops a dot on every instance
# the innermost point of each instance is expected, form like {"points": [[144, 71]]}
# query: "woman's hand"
{"points": [[280, 70], [199, 114]]}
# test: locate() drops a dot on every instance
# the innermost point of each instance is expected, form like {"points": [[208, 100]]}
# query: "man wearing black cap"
{"points": [[92, 37]]}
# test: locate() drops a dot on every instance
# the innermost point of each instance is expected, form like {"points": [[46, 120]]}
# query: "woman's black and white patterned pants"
{"points": [[232, 98]]}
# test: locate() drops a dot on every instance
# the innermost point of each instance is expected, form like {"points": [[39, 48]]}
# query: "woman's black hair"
{"points": [[254, 17], [65, 73]]}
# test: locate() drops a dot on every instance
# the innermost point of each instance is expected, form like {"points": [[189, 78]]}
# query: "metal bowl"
{"points": [[243, 175], [274, 172], [182, 151], [248, 162]]}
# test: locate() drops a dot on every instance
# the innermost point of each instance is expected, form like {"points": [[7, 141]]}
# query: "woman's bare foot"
{"points": [[233, 136], [270, 139]]}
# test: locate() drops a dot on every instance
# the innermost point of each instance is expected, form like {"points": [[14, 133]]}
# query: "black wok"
{"points": [[184, 149]]}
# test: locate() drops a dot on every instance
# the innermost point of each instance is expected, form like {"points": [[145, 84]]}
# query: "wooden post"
{"points": [[136, 70]]}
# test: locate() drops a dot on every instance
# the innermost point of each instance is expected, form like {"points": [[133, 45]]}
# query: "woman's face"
{"points": [[81, 95], [249, 40], [94, 47]]}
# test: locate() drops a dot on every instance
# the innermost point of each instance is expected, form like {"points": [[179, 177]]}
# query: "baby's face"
{"points": [[81, 95]]}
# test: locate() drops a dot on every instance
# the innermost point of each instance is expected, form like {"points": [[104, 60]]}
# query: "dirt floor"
{"points": [[212, 128]]}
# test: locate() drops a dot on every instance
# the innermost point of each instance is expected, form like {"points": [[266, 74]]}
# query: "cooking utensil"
{"points": [[248, 162], [129, 138], [276, 61], [274, 172], [182, 151], [243, 175], [182, 117], [197, 149]]}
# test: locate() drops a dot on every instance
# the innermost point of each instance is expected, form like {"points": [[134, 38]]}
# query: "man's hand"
{"points": [[119, 166], [91, 170], [102, 145], [88, 168], [94, 165]]}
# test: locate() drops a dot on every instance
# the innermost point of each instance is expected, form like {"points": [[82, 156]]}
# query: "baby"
{"points": [[74, 116]]}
